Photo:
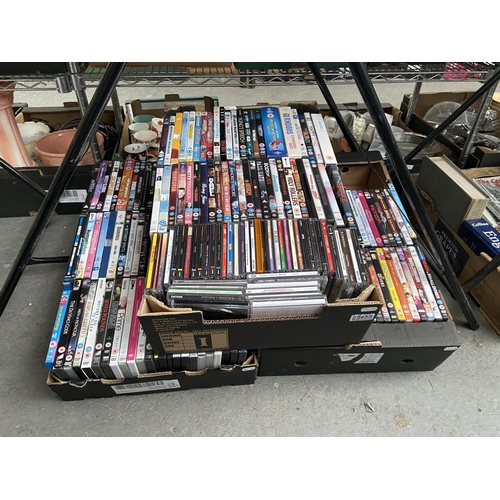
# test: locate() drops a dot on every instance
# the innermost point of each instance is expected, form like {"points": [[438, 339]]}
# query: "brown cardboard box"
{"points": [[480, 157], [156, 382]]}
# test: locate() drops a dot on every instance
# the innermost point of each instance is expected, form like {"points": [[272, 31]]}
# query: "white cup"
{"points": [[137, 152], [146, 137], [157, 126], [136, 127]]}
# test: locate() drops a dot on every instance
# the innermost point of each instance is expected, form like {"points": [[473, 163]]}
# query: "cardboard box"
{"points": [[157, 107], [244, 374], [466, 263], [18, 200], [398, 347], [479, 157], [176, 330]]}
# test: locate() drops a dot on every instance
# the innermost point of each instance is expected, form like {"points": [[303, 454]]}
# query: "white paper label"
{"points": [[248, 368], [451, 348], [73, 196], [156, 385], [362, 317], [370, 357], [348, 357], [368, 309]]}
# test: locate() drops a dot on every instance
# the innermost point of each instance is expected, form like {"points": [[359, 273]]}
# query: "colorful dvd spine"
{"points": [[131, 244], [190, 136], [82, 336], [383, 315], [170, 140], [181, 194], [391, 219], [314, 139], [108, 243], [134, 330], [161, 205], [380, 217], [172, 197], [397, 199], [399, 220], [219, 212], [241, 187], [261, 138], [397, 284], [85, 247], [298, 131], [184, 137], [276, 188], [332, 201], [75, 333], [94, 241], [197, 137], [93, 328], [437, 295], [226, 191], [188, 207], [127, 326], [391, 308], [110, 330], [306, 138], [405, 286], [390, 284], [293, 195], [264, 200], [255, 135], [211, 194], [233, 191], [340, 193], [176, 139], [273, 132], [125, 185], [304, 210], [77, 244], [111, 185], [204, 136], [283, 189], [357, 217], [155, 212], [196, 192], [358, 206], [133, 187], [323, 139], [116, 242], [58, 325], [217, 134], [289, 134], [369, 218], [67, 328], [411, 284], [98, 185], [248, 133], [223, 144], [273, 208], [204, 192], [101, 330], [242, 143], [313, 189]]}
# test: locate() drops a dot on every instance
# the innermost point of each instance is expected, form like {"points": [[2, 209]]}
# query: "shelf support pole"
{"points": [[86, 129], [374, 107]]}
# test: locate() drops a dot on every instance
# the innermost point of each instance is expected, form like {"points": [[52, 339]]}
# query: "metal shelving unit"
{"points": [[119, 75], [171, 76]]}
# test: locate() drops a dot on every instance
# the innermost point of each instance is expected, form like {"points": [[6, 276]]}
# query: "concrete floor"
{"points": [[459, 398]]}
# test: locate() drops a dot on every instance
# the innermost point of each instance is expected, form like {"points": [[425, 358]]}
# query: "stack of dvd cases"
{"points": [[250, 191], [97, 333]]}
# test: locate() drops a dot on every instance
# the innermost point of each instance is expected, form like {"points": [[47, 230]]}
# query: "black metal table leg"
{"points": [[84, 133], [372, 102]]}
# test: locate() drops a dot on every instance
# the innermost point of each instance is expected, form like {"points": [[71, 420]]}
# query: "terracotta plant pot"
{"points": [[52, 148]]}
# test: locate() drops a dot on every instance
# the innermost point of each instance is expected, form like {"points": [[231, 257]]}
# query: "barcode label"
{"points": [[73, 196], [156, 385], [362, 317]]}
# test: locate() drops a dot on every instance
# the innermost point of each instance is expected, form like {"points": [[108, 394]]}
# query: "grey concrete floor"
{"points": [[459, 398]]}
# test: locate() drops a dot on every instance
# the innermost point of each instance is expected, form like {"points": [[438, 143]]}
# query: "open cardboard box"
{"points": [[243, 374], [479, 157], [466, 263], [19, 200]]}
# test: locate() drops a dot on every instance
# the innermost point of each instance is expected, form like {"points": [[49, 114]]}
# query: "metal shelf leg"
{"points": [[85, 130], [372, 102]]}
